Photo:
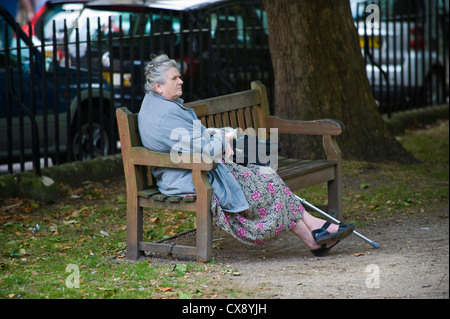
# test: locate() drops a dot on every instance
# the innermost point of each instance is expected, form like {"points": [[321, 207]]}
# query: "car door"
{"points": [[27, 122]]}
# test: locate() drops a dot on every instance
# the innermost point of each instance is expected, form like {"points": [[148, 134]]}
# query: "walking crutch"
{"points": [[371, 242]]}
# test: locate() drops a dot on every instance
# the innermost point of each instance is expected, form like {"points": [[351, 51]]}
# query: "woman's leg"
{"points": [[314, 223], [302, 231], [307, 224]]}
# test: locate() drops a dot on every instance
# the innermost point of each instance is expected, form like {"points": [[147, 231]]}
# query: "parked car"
{"points": [[220, 45], [63, 113], [407, 53]]}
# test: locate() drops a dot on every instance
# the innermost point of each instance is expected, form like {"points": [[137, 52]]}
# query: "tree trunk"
{"points": [[320, 73]]}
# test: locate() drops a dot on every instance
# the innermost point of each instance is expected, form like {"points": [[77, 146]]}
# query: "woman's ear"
{"points": [[158, 88]]}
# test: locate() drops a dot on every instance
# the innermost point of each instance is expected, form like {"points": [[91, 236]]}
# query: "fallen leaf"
{"points": [[69, 222], [154, 219], [358, 254], [75, 214]]}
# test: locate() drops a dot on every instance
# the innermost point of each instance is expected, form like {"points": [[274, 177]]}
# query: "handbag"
{"points": [[248, 149]]}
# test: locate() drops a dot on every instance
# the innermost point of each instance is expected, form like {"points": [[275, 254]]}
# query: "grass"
{"points": [[68, 251], [73, 249], [377, 190]]}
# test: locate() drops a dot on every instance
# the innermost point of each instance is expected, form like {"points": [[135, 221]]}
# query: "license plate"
{"points": [[373, 42], [117, 78]]}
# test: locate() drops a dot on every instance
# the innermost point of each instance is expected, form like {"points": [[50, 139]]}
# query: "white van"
{"points": [[405, 47]]}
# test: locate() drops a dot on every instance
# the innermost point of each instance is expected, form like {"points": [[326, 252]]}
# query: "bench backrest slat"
{"points": [[239, 110], [225, 103]]}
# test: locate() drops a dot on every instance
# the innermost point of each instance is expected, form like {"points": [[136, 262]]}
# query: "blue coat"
{"points": [[169, 127]]}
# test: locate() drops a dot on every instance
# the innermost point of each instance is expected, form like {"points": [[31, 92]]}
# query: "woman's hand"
{"points": [[228, 149]]}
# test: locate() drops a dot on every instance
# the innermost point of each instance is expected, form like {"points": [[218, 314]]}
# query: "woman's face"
{"points": [[171, 89]]}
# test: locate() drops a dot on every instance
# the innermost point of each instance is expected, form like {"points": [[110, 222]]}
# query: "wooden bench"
{"points": [[247, 109]]}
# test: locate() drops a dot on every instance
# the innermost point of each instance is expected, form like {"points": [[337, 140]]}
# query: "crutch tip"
{"points": [[374, 244]]}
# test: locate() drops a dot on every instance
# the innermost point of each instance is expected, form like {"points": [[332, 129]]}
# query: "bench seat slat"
{"points": [[149, 192], [153, 193], [285, 160], [299, 168]]}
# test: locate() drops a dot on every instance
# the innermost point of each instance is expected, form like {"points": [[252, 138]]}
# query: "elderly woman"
{"points": [[252, 206]]}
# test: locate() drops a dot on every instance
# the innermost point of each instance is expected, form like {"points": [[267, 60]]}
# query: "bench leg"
{"points": [[204, 218], [134, 229], [204, 234], [335, 205]]}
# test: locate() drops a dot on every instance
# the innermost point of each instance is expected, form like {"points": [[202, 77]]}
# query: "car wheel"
{"points": [[81, 141]]}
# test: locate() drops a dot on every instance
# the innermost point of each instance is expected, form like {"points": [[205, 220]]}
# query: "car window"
{"points": [[443, 7], [262, 16], [98, 23], [9, 40], [120, 22], [402, 8], [66, 13], [160, 24], [157, 23], [227, 23], [237, 20], [389, 9], [358, 8]]}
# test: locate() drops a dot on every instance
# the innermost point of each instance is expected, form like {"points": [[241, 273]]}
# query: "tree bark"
{"points": [[320, 73]]}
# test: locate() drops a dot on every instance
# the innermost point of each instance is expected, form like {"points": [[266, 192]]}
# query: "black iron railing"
{"points": [[59, 95]]}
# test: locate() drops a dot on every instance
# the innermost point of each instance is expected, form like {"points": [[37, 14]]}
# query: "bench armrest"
{"points": [[317, 127], [143, 156]]}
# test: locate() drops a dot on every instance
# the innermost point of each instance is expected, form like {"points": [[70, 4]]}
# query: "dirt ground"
{"points": [[412, 262]]}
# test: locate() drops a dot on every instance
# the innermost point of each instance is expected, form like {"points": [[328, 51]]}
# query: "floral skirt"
{"points": [[273, 209]]}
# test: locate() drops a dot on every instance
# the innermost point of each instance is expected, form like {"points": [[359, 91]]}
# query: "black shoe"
{"points": [[322, 236], [323, 250]]}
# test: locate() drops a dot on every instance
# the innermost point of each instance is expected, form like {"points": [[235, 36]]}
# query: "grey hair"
{"points": [[155, 70]]}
